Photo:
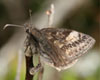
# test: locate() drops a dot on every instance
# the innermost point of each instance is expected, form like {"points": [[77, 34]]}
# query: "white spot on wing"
{"points": [[73, 36], [50, 37], [61, 45]]}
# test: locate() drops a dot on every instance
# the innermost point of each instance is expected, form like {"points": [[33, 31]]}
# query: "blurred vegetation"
{"points": [[84, 19]]}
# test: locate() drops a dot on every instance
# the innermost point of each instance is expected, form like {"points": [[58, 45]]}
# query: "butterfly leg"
{"points": [[39, 68], [40, 75], [35, 69]]}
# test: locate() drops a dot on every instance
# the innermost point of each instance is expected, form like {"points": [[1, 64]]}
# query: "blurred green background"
{"points": [[80, 15]]}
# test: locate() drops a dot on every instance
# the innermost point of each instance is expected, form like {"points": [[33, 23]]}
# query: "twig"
{"points": [[29, 64], [50, 14], [29, 59]]}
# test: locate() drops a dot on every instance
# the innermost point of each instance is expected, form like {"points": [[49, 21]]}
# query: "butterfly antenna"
{"points": [[50, 14], [30, 14], [12, 25]]}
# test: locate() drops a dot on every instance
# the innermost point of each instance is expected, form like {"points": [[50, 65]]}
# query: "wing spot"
{"points": [[76, 51], [90, 39], [76, 42], [80, 49], [49, 33], [61, 45], [57, 33], [50, 37], [64, 47], [73, 44], [83, 46], [69, 53], [73, 36], [58, 43], [84, 37], [55, 42]]}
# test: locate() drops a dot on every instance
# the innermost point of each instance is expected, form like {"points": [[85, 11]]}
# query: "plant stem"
{"points": [[29, 64]]}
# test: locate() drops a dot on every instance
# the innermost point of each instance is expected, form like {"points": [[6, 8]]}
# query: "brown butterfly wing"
{"points": [[68, 45]]}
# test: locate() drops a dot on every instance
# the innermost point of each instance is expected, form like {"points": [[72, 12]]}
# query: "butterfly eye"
{"points": [[27, 30]]}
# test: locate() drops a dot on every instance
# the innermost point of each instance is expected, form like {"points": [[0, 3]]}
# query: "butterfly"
{"points": [[57, 47], [60, 48]]}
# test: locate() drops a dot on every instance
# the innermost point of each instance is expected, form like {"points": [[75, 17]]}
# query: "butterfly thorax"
{"points": [[44, 47]]}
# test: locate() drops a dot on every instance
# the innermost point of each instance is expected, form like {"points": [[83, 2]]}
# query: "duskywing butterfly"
{"points": [[60, 48], [57, 47]]}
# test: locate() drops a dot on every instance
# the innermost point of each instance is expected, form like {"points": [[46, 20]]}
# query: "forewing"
{"points": [[67, 44]]}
